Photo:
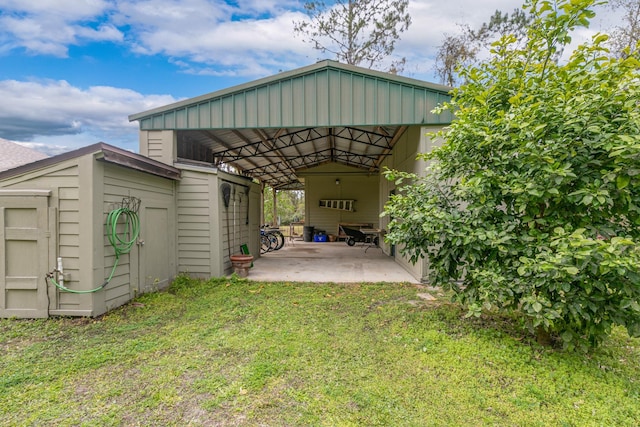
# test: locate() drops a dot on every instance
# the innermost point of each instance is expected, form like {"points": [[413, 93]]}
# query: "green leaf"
{"points": [[627, 138], [536, 307], [572, 270], [566, 336], [622, 181]]}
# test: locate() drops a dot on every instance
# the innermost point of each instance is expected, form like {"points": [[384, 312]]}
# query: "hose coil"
{"points": [[121, 242]]}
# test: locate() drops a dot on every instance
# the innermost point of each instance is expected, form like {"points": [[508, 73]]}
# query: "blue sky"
{"points": [[72, 71]]}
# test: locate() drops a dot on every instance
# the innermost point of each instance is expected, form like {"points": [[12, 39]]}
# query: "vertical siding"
{"points": [[318, 96], [194, 230]]}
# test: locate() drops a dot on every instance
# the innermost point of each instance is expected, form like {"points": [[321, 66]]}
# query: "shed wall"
{"points": [[207, 230], [239, 222], [149, 266], [415, 140], [158, 145], [355, 184], [196, 224], [63, 181]]}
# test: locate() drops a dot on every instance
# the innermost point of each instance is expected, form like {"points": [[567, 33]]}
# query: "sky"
{"points": [[72, 71]]}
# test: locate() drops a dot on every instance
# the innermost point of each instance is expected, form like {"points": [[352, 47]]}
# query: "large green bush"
{"points": [[533, 201]]}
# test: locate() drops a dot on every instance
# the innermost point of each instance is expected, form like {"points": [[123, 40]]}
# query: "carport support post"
{"points": [[262, 203], [275, 208]]}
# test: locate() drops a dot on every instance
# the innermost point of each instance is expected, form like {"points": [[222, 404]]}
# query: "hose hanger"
{"points": [[124, 214]]}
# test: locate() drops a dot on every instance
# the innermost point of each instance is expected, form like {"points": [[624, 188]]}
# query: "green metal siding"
{"points": [[333, 95]]}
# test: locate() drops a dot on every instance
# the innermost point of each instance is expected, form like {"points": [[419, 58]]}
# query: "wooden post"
{"points": [[275, 208], [261, 204]]}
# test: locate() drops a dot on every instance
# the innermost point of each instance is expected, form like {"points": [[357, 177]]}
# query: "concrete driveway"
{"points": [[324, 262]]}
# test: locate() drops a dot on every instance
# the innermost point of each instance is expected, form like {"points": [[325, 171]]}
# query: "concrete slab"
{"points": [[324, 262]]}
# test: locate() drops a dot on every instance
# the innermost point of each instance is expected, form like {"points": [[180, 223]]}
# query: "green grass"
{"points": [[231, 352]]}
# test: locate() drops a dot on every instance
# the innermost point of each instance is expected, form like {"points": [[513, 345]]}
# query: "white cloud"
{"points": [[431, 20], [50, 149], [202, 35], [49, 27], [79, 9], [36, 109]]}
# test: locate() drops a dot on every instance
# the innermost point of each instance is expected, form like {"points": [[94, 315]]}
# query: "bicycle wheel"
{"points": [[265, 243], [273, 241], [280, 238]]}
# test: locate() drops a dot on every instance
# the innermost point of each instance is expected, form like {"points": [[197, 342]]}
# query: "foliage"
{"points": [[627, 34], [533, 202], [235, 352], [289, 204], [358, 32], [463, 49]]}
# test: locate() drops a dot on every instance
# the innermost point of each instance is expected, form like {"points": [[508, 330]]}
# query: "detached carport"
{"points": [[329, 263], [328, 129]]}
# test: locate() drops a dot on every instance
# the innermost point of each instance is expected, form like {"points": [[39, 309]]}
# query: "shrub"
{"points": [[532, 203]]}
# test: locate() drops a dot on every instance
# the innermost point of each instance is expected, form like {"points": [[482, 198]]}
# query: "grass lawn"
{"points": [[230, 352]]}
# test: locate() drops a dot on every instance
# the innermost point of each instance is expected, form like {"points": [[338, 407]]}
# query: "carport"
{"points": [[328, 129], [329, 263]]}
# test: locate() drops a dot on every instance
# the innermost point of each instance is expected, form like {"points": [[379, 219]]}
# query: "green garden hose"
{"points": [[121, 242]]}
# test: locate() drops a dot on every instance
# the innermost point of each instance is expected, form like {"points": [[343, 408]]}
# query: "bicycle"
{"points": [[271, 239]]}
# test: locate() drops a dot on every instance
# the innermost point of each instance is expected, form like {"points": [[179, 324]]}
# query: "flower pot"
{"points": [[241, 264]]}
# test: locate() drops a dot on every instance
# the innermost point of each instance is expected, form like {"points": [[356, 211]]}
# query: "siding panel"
{"points": [[194, 223], [153, 192]]}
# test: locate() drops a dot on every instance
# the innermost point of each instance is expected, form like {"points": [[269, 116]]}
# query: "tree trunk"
{"points": [[543, 337]]}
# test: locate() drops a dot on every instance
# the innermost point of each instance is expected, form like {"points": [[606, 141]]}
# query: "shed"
{"points": [[328, 129], [53, 212]]}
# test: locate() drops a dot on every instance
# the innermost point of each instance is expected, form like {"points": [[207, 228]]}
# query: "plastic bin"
{"points": [[320, 238], [307, 233]]}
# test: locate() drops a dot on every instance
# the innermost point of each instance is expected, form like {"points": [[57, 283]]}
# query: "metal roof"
{"points": [[327, 112]]}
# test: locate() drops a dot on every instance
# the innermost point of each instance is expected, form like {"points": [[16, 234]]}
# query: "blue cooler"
{"points": [[320, 237]]}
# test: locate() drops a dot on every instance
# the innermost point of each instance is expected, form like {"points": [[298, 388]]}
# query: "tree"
{"points": [[532, 204], [626, 36], [462, 50], [357, 32], [455, 51], [290, 206]]}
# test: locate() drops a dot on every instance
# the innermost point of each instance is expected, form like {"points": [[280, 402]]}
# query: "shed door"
{"points": [[24, 241], [155, 265]]}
